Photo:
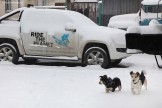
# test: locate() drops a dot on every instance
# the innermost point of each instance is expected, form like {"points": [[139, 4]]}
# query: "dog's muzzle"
{"points": [[100, 82]]}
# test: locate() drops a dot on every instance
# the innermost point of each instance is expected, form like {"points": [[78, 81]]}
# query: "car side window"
{"points": [[13, 17]]}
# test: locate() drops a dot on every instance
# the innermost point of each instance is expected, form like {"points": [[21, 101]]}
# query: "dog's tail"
{"points": [[143, 72], [142, 76]]}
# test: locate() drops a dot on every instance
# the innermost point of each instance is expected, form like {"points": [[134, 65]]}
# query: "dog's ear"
{"points": [[137, 73], [100, 76], [105, 76], [131, 72]]}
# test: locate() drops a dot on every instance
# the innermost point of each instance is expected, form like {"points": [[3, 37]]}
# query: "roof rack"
{"points": [[50, 7]]}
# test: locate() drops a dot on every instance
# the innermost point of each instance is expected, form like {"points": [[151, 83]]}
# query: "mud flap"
{"points": [[158, 59]]}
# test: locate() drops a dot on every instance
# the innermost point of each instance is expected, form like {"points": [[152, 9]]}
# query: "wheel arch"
{"points": [[8, 41], [95, 44], [100, 47]]}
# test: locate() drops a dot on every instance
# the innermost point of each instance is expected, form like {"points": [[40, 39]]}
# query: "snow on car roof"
{"points": [[151, 2], [86, 0], [50, 7]]}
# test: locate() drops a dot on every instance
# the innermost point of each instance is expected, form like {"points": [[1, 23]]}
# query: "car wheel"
{"points": [[8, 53], [116, 62], [97, 56]]}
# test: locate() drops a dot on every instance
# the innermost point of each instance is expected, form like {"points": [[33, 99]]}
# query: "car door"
{"points": [[35, 43], [62, 42]]}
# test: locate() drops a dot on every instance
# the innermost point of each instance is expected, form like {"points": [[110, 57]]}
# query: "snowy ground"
{"points": [[43, 86]]}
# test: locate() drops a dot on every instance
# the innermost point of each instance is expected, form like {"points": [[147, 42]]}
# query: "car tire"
{"points": [[116, 62], [9, 53], [97, 56]]}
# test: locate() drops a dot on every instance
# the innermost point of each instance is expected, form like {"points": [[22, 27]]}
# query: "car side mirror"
{"points": [[70, 27]]}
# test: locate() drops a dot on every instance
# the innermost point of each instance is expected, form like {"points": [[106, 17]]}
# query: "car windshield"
{"points": [[152, 8]]}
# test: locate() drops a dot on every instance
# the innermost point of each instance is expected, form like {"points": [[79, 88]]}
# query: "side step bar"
{"points": [[57, 59]]}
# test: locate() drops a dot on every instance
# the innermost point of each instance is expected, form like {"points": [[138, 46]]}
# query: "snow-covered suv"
{"points": [[61, 35]]}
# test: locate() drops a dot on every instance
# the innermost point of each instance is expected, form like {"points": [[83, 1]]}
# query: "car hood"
{"points": [[104, 34], [117, 35]]}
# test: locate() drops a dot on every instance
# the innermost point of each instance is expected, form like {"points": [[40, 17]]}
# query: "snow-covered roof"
{"points": [[86, 1], [151, 2]]}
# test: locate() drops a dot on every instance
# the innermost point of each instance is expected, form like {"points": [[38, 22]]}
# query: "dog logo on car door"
{"points": [[64, 41]]}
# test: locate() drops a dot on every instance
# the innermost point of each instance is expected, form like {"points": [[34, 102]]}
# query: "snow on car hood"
{"points": [[117, 35], [123, 21], [103, 34]]}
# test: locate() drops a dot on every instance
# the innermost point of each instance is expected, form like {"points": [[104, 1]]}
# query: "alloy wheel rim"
{"points": [[6, 54], [95, 58]]}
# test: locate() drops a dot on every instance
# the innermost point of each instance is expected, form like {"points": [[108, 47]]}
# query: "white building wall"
{"points": [[2, 10], [14, 5]]}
